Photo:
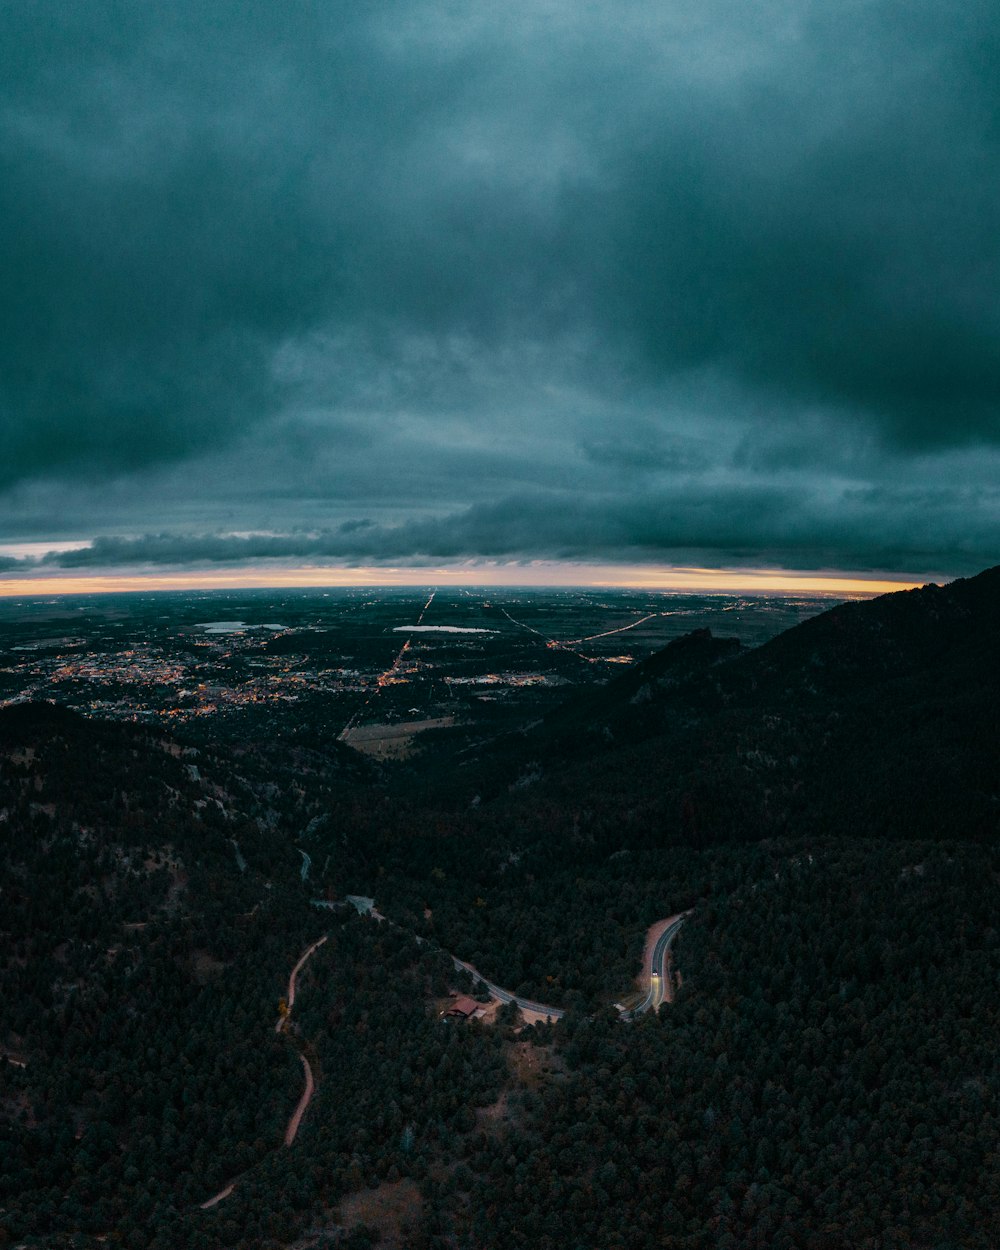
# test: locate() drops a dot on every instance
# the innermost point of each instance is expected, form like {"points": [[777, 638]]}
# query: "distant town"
{"points": [[382, 667]]}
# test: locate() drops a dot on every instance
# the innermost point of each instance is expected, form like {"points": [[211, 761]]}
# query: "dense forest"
{"points": [[825, 805]]}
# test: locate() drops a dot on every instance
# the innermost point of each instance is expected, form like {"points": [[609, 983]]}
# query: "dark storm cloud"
{"points": [[561, 278], [830, 235], [734, 524], [152, 257], [186, 188]]}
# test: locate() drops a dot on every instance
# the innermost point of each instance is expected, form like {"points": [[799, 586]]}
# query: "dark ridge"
{"points": [[677, 662], [895, 635], [34, 719], [878, 719]]}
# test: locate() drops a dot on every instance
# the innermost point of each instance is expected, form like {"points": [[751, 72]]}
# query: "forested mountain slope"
{"points": [[878, 717], [827, 806]]}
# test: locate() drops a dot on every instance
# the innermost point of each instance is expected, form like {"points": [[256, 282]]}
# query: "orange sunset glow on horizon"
{"points": [[478, 573]]}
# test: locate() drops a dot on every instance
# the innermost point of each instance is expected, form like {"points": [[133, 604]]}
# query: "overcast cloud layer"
{"points": [[705, 280]]}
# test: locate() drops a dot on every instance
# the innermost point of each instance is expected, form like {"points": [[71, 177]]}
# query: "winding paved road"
{"points": [[657, 971], [657, 974], [506, 996]]}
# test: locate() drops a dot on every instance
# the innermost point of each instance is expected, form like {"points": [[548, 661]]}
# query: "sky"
{"points": [[698, 285]]}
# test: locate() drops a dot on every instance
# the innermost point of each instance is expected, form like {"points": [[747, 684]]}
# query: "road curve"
{"points": [[310, 1088], [657, 974], [505, 996], [300, 1110], [217, 1198], [279, 1026], [657, 971]]}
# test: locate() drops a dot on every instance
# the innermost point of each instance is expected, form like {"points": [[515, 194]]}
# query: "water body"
{"points": [[231, 627], [439, 629]]}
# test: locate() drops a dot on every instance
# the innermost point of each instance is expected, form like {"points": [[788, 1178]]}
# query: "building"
{"points": [[464, 1008]]}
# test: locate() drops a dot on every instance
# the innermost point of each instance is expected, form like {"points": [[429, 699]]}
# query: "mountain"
{"points": [[825, 806], [878, 717]]}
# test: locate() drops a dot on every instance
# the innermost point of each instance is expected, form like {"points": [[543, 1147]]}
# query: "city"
{"points": [[477, 657]]}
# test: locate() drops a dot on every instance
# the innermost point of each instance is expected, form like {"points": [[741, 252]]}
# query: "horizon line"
{"points": [[532, 575]]}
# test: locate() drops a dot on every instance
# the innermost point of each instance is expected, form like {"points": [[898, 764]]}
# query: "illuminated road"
{"points": [[657, 974], [551, 643], [386, 678], [425, 607], [505, 996], [657, 971], [530, 628], [573, 642], [570, 644]]}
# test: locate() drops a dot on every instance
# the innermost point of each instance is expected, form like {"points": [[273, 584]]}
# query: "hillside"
{"points": [[827, 806], [877, 717]]}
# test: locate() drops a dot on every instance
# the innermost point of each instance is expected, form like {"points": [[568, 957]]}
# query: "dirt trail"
{"points": [[310, 1089], [307, 1093], [223, 1193], [300, 1110], [291, 983]]}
